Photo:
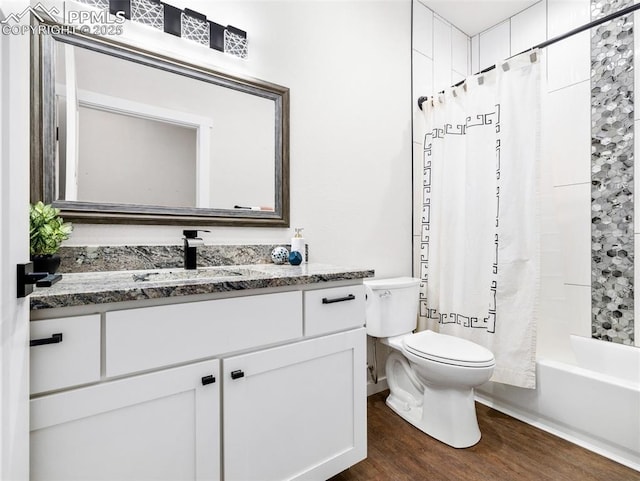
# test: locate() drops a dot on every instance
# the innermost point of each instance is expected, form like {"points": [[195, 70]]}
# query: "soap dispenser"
{"points": [[298, 245]]}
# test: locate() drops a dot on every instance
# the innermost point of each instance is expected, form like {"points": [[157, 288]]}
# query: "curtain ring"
{"points": [[480, 80], [505, 67], [533, 57]]}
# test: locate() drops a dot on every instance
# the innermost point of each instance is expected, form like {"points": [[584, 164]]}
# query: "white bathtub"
{"points": [[595, 405], [610, 359]]}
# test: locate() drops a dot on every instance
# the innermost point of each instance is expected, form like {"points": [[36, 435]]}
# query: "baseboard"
{"points": [[557, 430], [374, 388]]}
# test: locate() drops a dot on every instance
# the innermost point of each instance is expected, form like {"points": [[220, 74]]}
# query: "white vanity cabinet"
{"points": [[162, 426], [297, 411], [233, 389]]}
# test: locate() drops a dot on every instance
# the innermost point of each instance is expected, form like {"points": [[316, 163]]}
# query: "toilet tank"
{"points": [[391, 306]]}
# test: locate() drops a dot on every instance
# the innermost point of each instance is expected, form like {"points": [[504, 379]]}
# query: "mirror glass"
{"points": [[136, 136]]}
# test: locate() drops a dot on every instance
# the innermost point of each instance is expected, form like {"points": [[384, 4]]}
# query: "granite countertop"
{"points": [[79, 289]]}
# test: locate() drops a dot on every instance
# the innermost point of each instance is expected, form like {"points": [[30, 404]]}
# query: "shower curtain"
{"points": [[480, 232]]}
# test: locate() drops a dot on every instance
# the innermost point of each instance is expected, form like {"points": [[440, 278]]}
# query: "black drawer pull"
{"points": [[208, 380], [350, 297], [237, 374], [54, 339]]}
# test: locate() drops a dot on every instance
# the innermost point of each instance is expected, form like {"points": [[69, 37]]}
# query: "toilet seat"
{"points": [[446, 349]]}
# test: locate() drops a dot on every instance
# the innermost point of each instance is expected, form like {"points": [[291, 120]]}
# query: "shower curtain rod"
{"points": [[546, 43]]}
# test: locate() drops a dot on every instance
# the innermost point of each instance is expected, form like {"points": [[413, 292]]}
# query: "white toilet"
{"points": [[431, 376]]}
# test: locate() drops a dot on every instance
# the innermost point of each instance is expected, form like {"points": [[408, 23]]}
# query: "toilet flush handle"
{"points": [[384, 294]]}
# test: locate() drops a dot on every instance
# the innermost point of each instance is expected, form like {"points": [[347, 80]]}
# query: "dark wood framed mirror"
{"points": [[124, 135]]}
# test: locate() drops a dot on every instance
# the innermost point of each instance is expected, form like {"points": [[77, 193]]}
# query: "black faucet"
{"points": [[191, 242]]}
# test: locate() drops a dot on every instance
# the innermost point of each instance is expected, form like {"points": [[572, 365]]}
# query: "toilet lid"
{"points": [[448, 349]]}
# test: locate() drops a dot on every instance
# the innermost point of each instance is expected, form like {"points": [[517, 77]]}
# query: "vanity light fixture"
{"points": [[186, 23]]}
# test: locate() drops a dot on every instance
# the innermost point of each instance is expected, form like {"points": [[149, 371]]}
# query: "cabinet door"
{"points": [[296, 411], [160, 426]]}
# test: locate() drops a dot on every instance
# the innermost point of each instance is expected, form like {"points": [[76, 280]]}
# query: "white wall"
{"points": [[348, 66], [139, 161]]}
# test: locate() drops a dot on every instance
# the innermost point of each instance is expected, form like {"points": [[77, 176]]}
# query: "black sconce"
{"points": [[216, 36], [116, 6], [186, 23], [172, 20]]}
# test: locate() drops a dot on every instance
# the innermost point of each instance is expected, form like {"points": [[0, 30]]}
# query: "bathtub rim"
{"points": [[544, 420], [620, 352], [591, 374]]}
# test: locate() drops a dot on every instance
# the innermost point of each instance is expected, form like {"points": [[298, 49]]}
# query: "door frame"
{"points": [[14, 245]]}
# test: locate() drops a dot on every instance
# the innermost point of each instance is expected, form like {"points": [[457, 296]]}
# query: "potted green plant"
{"points": [[47, 230]]}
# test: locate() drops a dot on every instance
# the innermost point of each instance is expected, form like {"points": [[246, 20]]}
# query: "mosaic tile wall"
{"points": [[612, 232]]}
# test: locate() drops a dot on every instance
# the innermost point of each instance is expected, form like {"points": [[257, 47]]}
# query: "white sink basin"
{"points": [[168, 275]]}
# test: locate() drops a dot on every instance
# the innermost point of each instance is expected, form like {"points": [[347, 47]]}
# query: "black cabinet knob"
{"points": [[208, 380], [237, 374]]}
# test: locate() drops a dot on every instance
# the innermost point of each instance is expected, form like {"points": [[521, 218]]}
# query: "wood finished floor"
{"points": [[509, 450]]}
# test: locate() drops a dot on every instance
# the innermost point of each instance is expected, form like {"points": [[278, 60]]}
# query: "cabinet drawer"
{"points": [[335, 309], [73, 359], [151, 337]]}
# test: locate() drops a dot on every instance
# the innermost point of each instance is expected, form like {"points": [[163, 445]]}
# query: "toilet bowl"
{"points": [[431, 376]]}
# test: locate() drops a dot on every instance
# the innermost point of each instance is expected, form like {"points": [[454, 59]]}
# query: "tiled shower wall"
{"points": [[441, 57], [612, 172], [566, 142]]}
